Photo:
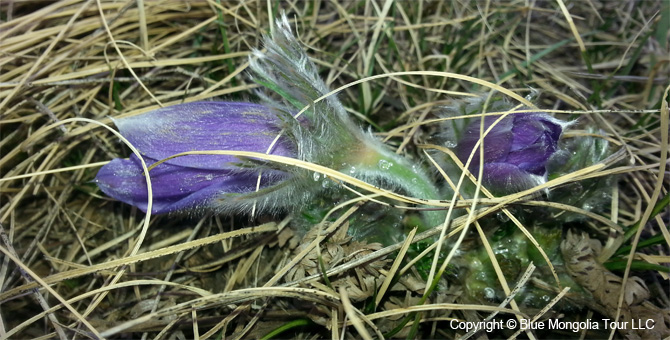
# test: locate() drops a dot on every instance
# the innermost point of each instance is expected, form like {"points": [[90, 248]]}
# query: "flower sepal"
{"points": [[578, 153]]}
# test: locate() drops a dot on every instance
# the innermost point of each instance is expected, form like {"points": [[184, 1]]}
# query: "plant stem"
{"points": [[400, 172]]}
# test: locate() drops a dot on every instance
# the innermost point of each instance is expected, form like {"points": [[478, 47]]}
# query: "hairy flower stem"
{"points": [[399, 172]]}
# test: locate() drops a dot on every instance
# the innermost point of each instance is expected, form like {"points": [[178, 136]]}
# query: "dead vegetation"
{"points": [[78, 264]]}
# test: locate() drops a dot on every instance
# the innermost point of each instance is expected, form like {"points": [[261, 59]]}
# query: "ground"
{"points": [[78, 263]]}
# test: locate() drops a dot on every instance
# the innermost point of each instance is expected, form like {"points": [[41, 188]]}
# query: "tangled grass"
{"points": [[78, 264]]}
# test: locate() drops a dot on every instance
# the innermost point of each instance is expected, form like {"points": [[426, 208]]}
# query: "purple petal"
{"points": [[503, 178], [555, 126], [204, 126], [497, 143], [528, 128], [175, 188], [515, 151], [526, 132], [533, 157]]}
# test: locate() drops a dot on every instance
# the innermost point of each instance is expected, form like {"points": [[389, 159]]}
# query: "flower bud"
{"points": [[324, 135], [516, 149], [192, 181]]}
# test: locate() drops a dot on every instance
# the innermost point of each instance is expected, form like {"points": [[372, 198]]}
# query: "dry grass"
{"points": [[77, 263]]}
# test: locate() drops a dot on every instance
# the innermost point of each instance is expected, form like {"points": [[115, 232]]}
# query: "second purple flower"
{"points": [[516, 149]]}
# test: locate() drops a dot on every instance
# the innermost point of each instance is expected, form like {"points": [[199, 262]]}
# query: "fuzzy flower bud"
{"points": [[516, 150], [323, 134], [192, 182]]}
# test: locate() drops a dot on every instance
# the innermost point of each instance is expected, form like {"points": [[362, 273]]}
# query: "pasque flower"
{"points": [[323, 134], [516, 149], [193, 181]]}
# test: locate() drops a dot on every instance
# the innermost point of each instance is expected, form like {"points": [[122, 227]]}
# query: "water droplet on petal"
{"points": [[317, 176]]}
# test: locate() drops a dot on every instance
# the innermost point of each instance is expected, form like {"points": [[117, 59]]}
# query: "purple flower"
{"points": [[194, 181], [322, 134], [515, 150]]}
